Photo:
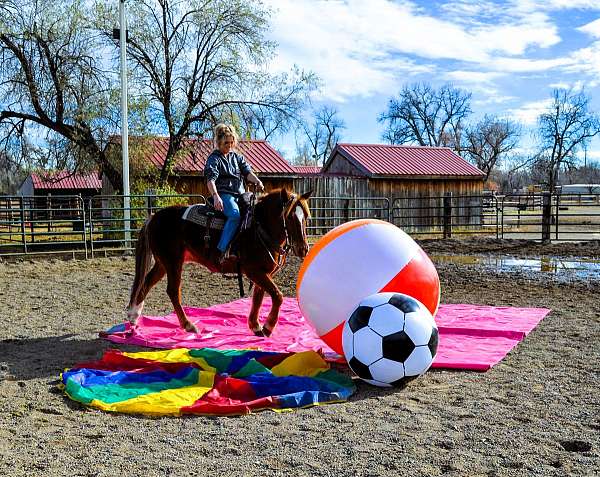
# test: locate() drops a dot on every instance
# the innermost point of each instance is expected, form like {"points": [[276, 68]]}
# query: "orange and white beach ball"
{"points": [[355, 260]]}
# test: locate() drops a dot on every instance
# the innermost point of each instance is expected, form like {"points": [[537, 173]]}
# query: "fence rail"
{"points": [[30, 225], [59, 224]]}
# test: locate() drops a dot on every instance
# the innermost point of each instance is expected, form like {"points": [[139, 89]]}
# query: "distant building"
{"points": [[580, 189], [61, 183]]}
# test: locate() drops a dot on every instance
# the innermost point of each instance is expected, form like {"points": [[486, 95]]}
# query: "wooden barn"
{"points": [[188, 174], [381, 170], [50, 196], [411, 180]]}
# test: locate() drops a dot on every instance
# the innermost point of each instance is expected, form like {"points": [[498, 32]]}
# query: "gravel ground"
{"points": [[534, 414]]}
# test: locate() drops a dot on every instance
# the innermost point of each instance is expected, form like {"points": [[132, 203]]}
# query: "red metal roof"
{"points": [[61, 180], [387, 160], [307, 169], [261, 156]]}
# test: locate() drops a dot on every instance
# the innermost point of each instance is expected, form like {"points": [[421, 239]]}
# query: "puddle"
{"points": [[581, 269]]}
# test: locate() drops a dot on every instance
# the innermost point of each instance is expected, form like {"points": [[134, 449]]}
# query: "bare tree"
{"points": [[52, 83], [425, 116], [321, 136], [198, 62], [11, 173], [564, 129], [489, 141], [515, 174]]}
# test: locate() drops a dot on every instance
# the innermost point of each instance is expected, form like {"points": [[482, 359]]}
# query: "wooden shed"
{"points": [[410, 179], [61, 183], [52, 195], [188, 173], [403, 171]]}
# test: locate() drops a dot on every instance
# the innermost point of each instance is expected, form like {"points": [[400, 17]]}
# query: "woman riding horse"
{"points": [[224, 172], [278, 227]]}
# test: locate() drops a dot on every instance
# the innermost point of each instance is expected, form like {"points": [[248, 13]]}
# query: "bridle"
{"points": [[281, 250], [287, 245]]}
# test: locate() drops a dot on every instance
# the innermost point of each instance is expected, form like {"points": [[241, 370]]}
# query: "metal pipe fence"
{"points": [[329, 212], [447, 216], [96, 225], [34, 224]]}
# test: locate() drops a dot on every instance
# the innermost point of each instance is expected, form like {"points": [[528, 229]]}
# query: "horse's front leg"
{"points": [[257, 297], [268, 286]]}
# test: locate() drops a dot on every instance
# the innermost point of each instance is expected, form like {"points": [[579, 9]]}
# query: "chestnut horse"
{"points": [[278, 226]]}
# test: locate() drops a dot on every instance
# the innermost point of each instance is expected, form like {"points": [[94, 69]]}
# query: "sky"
{"points": [[509, 54]]}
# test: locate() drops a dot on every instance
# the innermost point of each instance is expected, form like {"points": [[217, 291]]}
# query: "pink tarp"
{"points": [[471, 336]]}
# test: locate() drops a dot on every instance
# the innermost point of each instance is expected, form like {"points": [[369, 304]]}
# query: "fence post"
{"points": [[388, 210], [556, 214], [346, 210], [546, 216], [448, 215], [91, 224], [150, 201], [22, 214], [81, 213]]}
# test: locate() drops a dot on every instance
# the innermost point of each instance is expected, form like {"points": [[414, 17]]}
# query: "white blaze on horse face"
{"points": [[299, 214]]}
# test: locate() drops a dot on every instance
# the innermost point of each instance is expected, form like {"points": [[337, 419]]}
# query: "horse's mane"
{"points": [[283, 195]]}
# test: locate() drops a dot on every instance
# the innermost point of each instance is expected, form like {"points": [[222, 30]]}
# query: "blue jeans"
{"points": [[232, 212]]}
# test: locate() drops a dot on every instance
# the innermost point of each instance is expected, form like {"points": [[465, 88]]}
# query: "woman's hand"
{"points": [[218, 202]]}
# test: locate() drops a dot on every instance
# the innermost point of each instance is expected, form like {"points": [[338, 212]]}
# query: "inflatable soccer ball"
{"points": [[390, 339]]}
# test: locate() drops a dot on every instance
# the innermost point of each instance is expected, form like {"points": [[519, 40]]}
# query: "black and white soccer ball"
{"points": [[390, 339]]}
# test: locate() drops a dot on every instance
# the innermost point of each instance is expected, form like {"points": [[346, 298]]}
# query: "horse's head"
{"points": [[283, 215], [295, 214]]}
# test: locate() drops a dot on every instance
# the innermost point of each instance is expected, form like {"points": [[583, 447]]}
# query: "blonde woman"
{"points": [[225, 171]]}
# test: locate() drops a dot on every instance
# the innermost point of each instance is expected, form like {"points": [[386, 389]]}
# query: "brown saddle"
{"points": [[208, 217]]}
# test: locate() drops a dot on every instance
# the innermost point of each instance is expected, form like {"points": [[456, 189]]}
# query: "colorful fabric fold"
{"points": [[205, 381]]}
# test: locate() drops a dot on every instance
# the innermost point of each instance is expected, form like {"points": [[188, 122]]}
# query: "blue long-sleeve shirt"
{"points": [[228, 172]]}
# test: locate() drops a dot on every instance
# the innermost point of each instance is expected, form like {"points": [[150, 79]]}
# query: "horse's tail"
{"points": [[143, 262]]}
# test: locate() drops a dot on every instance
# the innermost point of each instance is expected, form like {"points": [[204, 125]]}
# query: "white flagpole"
{"points": [[124, 125]]}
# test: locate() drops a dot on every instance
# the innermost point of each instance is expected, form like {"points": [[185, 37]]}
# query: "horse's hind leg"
{"points": [[257, 297], [174, 292], [137, 303]]}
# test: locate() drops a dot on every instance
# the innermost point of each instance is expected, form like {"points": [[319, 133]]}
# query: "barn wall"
{"points": [[26, 188], [342, 166]]}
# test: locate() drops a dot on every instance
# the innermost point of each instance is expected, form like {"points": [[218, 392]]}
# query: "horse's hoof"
{"points": [[258, 332], [191, 328], [266, 331]]}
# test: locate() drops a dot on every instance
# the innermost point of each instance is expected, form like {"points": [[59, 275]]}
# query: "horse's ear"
{"points": [[306, 195], [285, 196]]}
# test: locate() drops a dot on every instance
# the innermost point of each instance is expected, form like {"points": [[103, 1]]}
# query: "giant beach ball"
{"points": [[355, 260]]}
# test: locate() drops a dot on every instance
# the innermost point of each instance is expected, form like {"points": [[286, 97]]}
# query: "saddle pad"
{"points": [[197, 213]]}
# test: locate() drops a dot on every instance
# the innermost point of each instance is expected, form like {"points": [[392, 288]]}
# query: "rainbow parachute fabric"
{"points": [[205, 381]]}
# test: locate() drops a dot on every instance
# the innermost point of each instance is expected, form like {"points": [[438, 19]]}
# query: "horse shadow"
{"points": [[23, 359]]}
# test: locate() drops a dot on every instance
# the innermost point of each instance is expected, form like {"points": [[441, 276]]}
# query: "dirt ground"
{"points": [[536, 413]]}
